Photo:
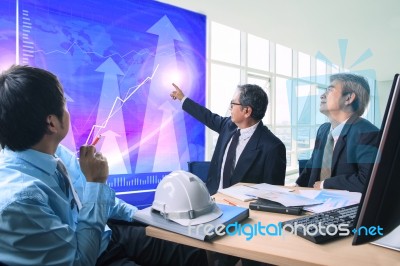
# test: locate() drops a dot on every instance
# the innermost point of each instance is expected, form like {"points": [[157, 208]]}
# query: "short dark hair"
{"points": [[356, 84], [255, 97], [28, 95]]}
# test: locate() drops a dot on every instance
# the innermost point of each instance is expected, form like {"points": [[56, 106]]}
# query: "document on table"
{"points": [[289, 199], [251, 192], [332, 199]]}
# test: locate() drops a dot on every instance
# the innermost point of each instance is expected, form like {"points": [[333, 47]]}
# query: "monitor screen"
{"points": [[379, 211]]}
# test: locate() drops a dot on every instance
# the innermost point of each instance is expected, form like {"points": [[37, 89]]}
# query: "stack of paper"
{"points": [[289, 199], [332, 199], [251, 192]]}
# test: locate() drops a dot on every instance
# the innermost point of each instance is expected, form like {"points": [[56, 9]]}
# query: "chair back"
{"points": [[199, 168]]}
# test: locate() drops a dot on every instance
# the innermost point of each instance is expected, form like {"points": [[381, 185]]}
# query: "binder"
{"points": [[204, 232], [272, 206]]}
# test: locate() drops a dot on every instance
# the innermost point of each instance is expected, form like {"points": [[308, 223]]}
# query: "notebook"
{"points": [[272, 206], [204, 232]]}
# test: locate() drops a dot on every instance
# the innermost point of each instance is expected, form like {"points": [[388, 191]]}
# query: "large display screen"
{"points": [[116, 61]]}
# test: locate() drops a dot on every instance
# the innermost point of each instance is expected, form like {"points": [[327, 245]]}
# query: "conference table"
{"points": [[287, 249]]}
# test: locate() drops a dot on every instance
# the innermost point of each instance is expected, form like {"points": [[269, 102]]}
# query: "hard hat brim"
{"points": [[205, 218]]}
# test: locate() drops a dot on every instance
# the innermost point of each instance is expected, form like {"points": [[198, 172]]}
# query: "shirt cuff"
{"points": [[183, 99], [321, 186]]}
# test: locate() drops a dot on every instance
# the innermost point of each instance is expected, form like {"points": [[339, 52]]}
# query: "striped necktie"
{"points": [[327, 159]]}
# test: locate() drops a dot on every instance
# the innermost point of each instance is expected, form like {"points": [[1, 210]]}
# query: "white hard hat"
{"points": [[183, 198]]}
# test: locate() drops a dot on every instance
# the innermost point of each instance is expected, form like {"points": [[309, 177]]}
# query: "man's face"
{"points": [[237, 111], [64, 123], [332, 100]]}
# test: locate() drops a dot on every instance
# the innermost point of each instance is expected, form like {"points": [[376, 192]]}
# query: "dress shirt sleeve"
{"points": [[213, 121], [33, 234], [123, 211]]}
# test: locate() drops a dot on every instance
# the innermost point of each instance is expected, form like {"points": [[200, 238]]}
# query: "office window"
{"points": [[321, 72], [284, 60], [224, 81], [304, 66], [225, 43], [294, 82], [258, 52], [285, 135], [303, 104], [283, 101]]}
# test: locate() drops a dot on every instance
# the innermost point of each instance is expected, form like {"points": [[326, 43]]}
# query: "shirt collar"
{"points": [[246, 133], [43, 161], [337, 130]]}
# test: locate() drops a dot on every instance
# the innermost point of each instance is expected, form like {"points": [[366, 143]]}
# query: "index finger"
{"points": [[176, 87]]}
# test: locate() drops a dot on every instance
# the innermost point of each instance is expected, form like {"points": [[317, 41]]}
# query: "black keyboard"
{"points": [[325, 226]]}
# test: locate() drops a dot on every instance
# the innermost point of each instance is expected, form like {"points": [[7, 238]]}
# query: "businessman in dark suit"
{"points": [[346, 147], [259, 157]]}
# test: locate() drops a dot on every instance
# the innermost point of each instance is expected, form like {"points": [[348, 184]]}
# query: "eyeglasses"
{"points": [[329, 89], [232, 104]]}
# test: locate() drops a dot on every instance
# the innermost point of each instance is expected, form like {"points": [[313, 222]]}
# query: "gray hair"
{"points": [[358, 85]]}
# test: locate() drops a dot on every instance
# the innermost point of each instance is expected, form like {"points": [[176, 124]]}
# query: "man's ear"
{"points": [[52, 122], [248, 111], [350, 98]]}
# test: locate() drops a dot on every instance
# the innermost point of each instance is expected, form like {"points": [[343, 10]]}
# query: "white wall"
{"points": [[312, 26]]}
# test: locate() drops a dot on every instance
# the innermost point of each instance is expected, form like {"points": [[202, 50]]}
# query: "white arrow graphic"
{"points": [[111, 150], [109, 94], [150, 156]]}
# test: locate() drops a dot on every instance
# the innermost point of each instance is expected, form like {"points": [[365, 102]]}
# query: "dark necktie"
{"points": [[230, 160], [327, 158], [66, 185]]}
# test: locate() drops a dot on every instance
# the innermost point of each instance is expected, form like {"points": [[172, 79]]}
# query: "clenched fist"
{"points": [[93, 164]]}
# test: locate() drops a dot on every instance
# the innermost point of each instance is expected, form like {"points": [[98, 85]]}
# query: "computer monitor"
{"points": [[380, 204]]}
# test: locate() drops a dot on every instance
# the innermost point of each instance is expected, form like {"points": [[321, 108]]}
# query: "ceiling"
{"points": [[368, 30]]}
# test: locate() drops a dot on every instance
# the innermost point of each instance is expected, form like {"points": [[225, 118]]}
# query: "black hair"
{"points": [[255, 97], [28, 95]]}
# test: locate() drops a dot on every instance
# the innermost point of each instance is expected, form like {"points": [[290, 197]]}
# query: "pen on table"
{"points": [[230, 202], [96, 139], [251, 195], [250, 186]]}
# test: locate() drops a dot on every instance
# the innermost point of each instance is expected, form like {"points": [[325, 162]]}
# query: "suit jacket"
{"points": [[263, 160], [352, 160]]}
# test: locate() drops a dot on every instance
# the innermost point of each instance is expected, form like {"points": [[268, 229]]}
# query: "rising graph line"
{"points": [[118, 99], [66, 51]]}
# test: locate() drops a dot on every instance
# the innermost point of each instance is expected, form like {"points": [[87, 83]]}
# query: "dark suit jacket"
{"points": [[263, 160], [353, 156]]}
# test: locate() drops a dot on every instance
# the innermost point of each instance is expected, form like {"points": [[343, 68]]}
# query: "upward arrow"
{"points": [[111, 149], [109, 93], [165, 58], [109, 113], [165, 30], [110, 67]]}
